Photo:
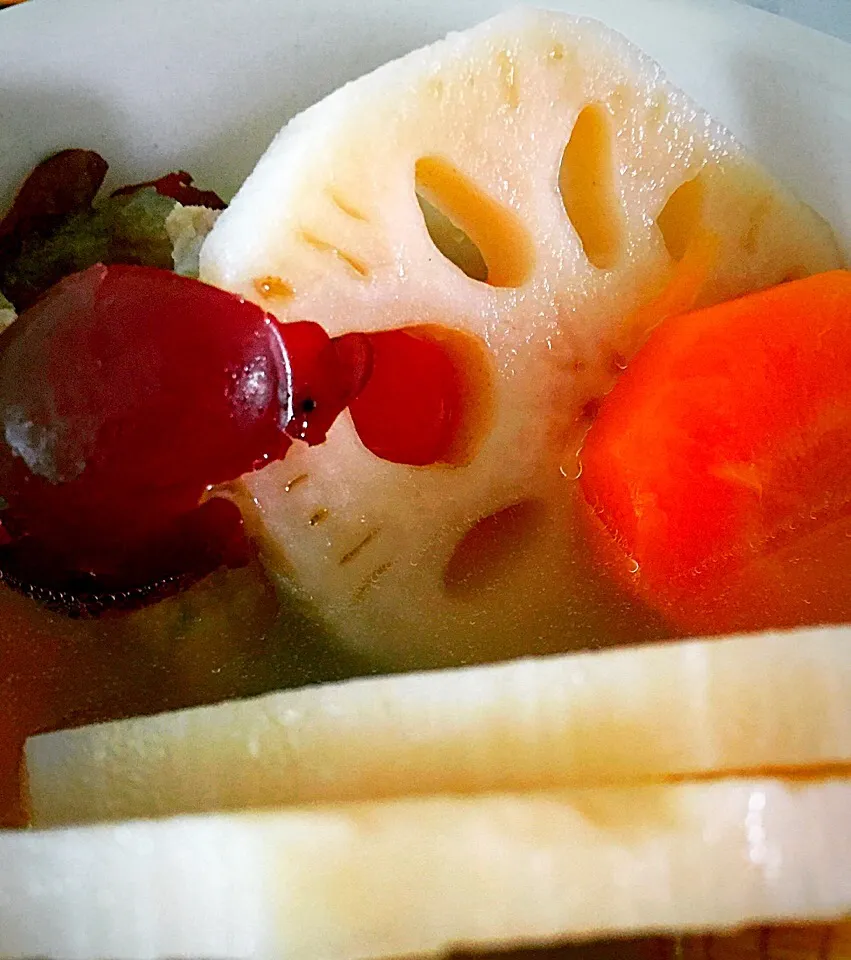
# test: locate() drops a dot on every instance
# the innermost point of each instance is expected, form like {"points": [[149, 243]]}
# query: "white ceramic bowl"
{"points": [[203, 84]]}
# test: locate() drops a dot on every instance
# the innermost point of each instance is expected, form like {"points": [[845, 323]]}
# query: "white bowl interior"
{"points": [[202, 85]]}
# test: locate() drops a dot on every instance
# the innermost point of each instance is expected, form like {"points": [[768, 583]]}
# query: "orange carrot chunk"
{"points": [[718, 471]]}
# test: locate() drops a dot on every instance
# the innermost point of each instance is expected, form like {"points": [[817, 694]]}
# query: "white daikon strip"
{"points": [[763, 702], [418, 876]]}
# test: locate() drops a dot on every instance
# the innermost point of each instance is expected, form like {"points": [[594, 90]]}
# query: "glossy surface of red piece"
{"points": [[408, 410], [125, 394]]}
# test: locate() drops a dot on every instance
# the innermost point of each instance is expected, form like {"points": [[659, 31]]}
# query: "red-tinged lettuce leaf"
{"points": [[179, 187], [54, 226], [61, 186]]}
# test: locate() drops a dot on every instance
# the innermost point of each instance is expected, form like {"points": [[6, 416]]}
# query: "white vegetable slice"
{"points": [[416, 877], [187, 228], [328, 228], [764, 702]]}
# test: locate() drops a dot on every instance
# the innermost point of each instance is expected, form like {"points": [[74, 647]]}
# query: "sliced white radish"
{"points": [[766, 702], [590, 185], [417, 877]]}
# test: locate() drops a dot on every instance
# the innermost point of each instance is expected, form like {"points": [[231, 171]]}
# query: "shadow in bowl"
{"points": [[815, 168]]}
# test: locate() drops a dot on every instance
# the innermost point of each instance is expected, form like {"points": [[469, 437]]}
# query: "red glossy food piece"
{"points": [[324, 376], [409, 408], [60, 186], [179, 186], [719, 468], [125, 392]]}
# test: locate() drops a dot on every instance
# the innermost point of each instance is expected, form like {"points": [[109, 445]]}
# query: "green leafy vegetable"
{"points": [[123, 229]]}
